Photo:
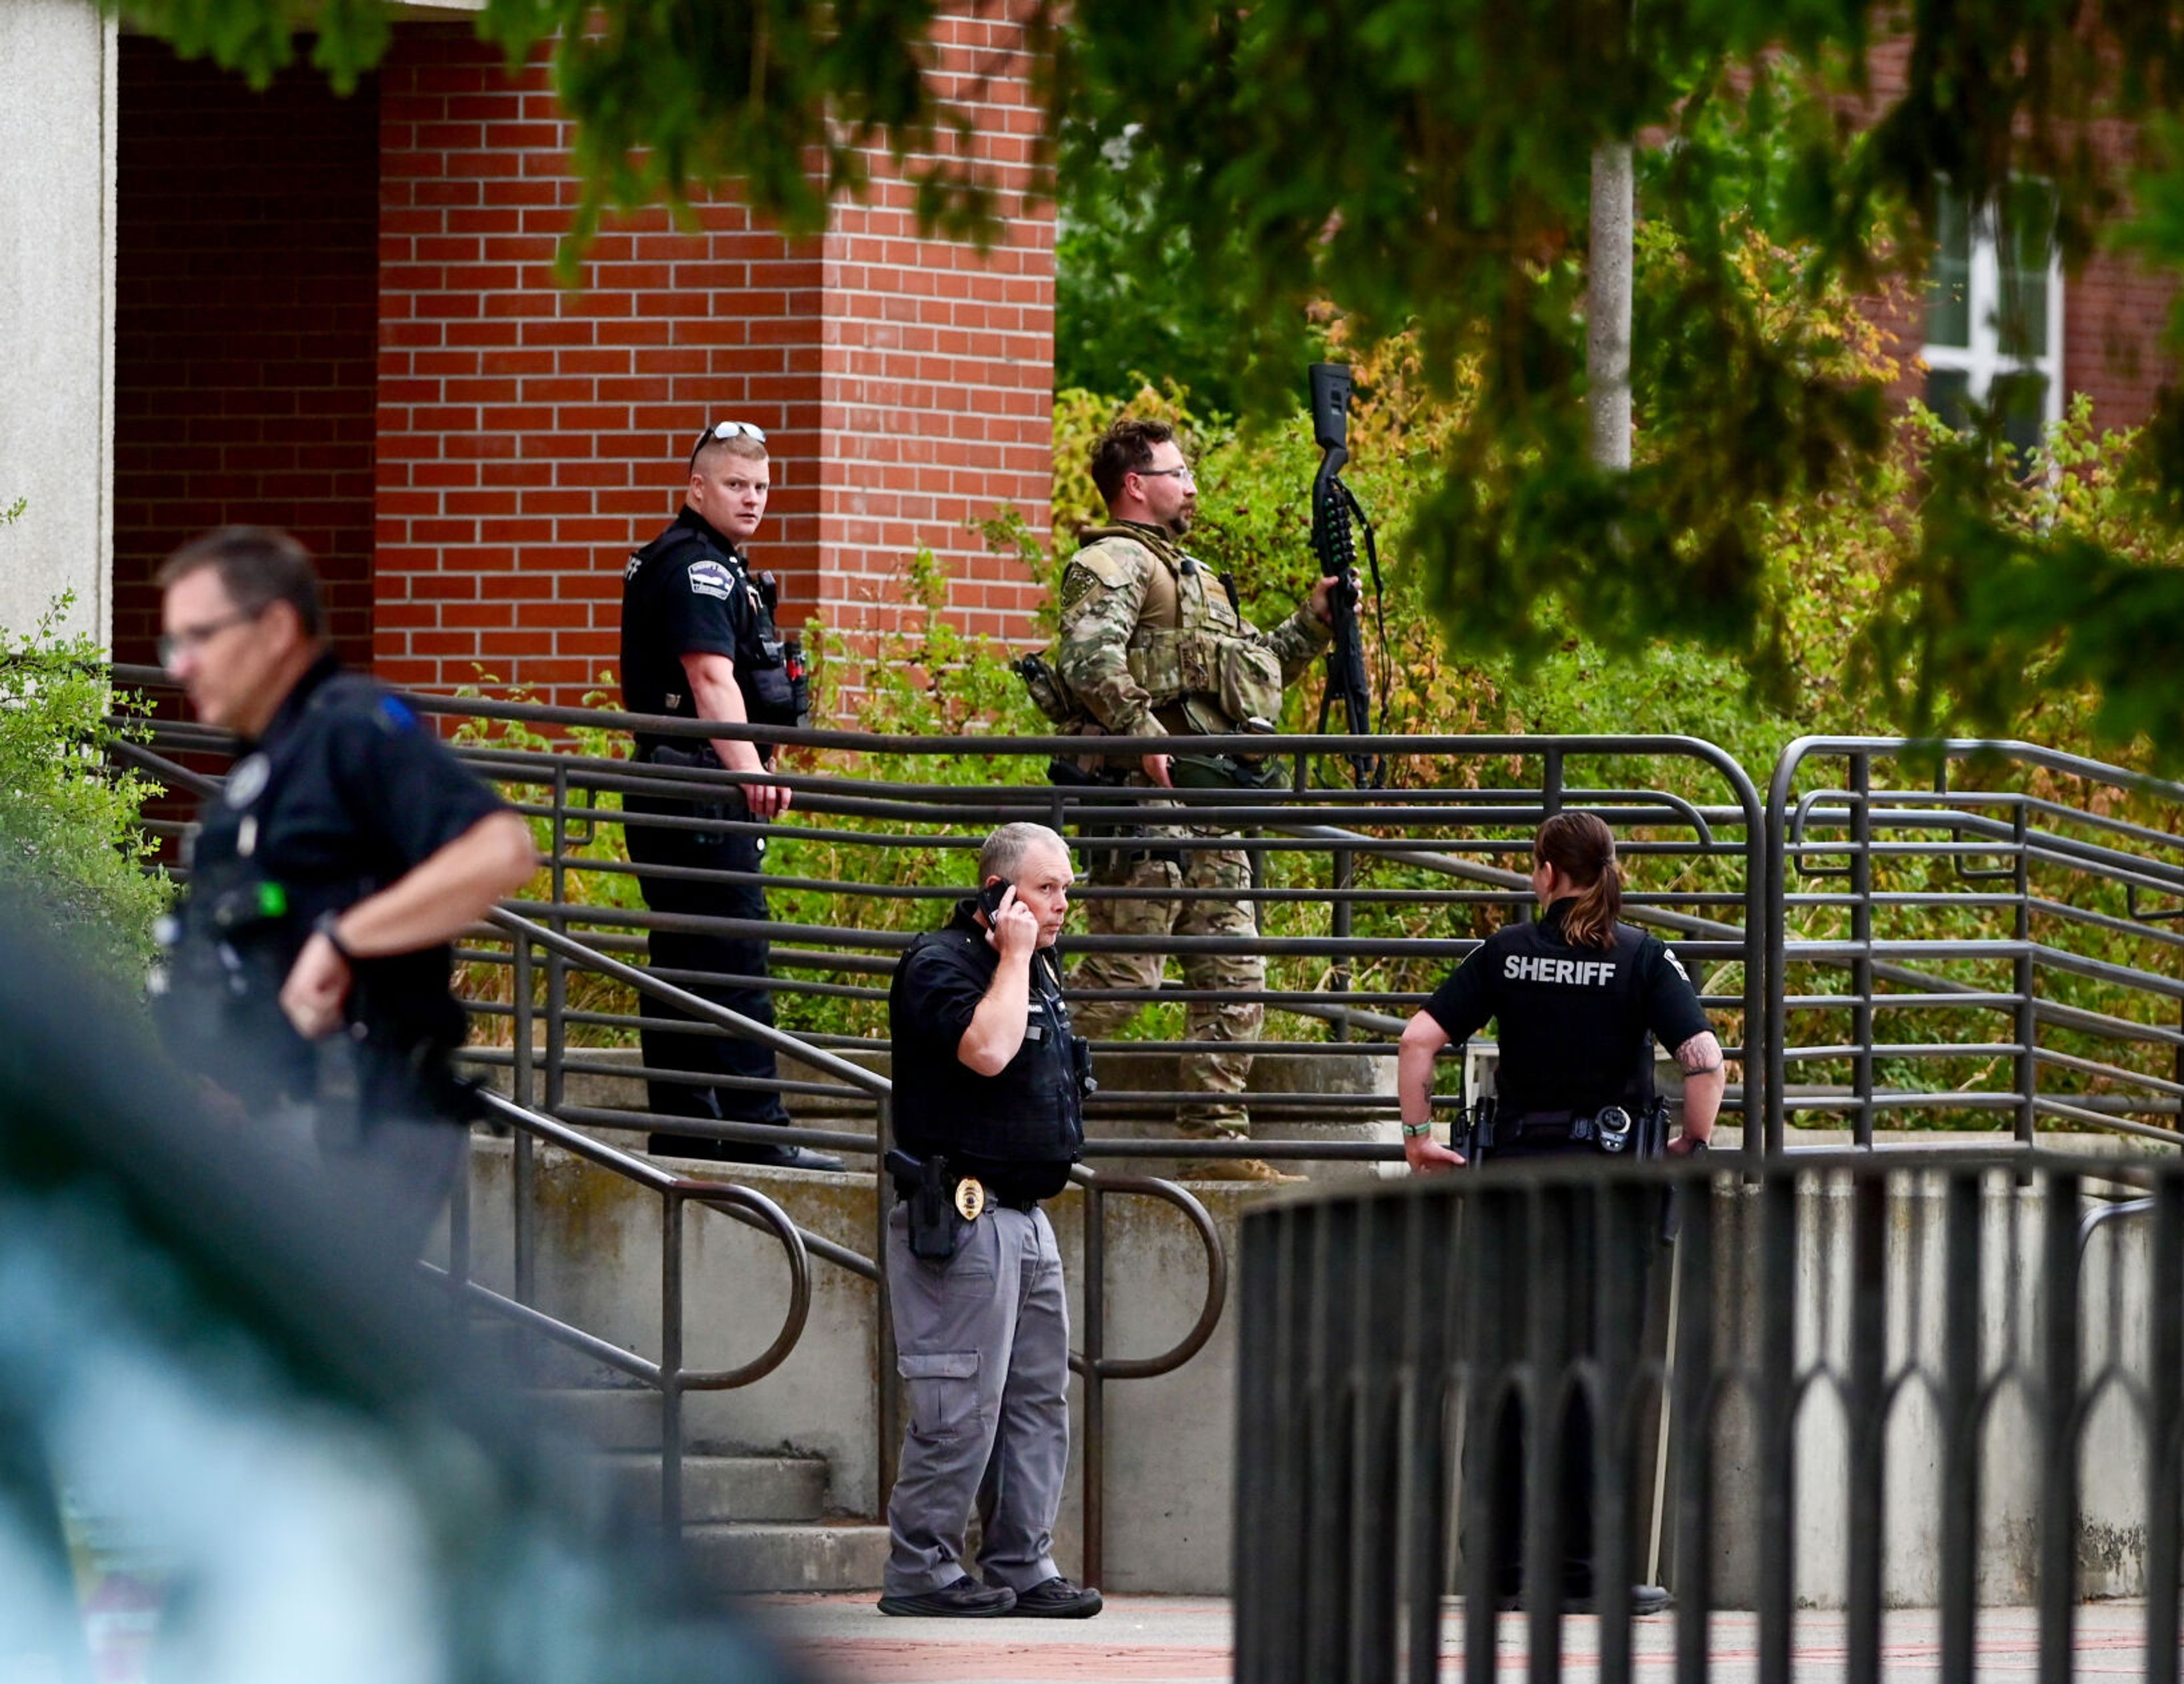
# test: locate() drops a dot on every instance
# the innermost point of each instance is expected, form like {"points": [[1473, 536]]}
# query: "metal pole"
{"points": [[1861, 930], [525, 1029], [1961, 1418], [1345, 862], [890, 1382], [670, 1369], [1095, 1401], [2059, 1361], [2022, 981]]}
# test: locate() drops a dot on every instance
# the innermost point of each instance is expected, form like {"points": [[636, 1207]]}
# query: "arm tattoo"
{"points": [[1699, 1055]]}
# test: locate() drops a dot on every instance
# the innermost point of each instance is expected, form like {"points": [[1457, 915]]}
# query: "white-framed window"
{"points": [[1994, 313]]}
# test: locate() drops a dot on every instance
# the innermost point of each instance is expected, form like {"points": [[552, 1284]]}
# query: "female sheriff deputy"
{"points": [[1575, 995]]}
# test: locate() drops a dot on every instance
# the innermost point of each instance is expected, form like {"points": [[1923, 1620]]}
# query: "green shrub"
{"points": [[71, 831]]}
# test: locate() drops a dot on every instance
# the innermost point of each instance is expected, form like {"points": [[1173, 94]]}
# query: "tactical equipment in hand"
{"points": [[1332, 507]]}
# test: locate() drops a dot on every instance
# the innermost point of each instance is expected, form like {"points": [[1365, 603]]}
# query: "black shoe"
{"points": [[965, 1599], [738, 1151], [1056, 1599], [1645, 1599]]}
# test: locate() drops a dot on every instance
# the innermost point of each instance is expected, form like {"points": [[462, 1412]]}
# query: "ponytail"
{"points": [[1581, 848]]}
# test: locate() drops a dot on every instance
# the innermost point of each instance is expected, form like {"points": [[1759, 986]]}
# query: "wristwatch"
{"points": [[328, 924]]}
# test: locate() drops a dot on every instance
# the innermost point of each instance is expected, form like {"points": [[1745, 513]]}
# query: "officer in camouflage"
{"points": [[1153, 644]]}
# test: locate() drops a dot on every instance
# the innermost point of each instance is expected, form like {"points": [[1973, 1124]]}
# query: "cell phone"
{"points": [[990, 898]]}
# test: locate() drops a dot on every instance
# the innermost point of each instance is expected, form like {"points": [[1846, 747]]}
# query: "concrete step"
{"points": [[529, 1359], [721, 1488], [746, 1557], [612, 1417]]}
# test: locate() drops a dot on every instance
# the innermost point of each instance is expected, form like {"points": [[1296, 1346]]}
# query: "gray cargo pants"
{"points": [[984, 1347]]}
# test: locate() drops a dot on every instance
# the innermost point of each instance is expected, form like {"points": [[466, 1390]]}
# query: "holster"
{"points": [[1475, 1125], [927, 1189], [728, 805], [1104, 838], [1225, 772]]}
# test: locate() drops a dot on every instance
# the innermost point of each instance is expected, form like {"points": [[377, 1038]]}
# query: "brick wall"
{"points": [[529, 436], [938, 405], [245, 317]]}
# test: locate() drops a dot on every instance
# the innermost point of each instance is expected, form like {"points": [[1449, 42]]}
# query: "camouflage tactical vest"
{"points": [[1204, 666]]}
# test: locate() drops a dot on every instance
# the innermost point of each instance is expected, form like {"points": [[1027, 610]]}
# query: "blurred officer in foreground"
{"points": [[989, 1116], [308, 966], [1153, 643], [698, 642], [1578, 999]]}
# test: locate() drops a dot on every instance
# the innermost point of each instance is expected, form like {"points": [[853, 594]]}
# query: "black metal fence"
{"points": [[1887, 1379]]}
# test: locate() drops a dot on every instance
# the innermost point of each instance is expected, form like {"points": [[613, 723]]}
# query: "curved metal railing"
{"points": [[1095, 1367], [668, 1376]]}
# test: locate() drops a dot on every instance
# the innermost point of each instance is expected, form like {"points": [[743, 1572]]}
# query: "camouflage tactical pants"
{"points": [[1201, 899]]}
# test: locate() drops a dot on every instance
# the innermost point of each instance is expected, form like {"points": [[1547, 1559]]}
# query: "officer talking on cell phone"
{"points": [[989, 1115], [1578, 999]]}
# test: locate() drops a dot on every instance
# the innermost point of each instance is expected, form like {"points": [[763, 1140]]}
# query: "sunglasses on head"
{"points": [[725, 430]]}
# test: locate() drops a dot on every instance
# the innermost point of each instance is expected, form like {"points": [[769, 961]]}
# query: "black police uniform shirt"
{"points": [[1017, 1131], [690, 592], [346, 791], [1572, 1022]]}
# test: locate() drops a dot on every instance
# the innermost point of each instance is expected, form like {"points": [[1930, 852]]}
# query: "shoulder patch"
{"points": [[709, 577], [395, 712], [636, 560], [1676, 964], [1112, 564]]}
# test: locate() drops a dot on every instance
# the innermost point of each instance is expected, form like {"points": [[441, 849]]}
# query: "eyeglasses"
{"points": [[725, 430], [1183, 474], [191, 638]]}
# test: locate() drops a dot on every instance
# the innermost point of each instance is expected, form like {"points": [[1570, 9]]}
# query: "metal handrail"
{"points": [[1982, 828], [1095, 1365], [1092, 1363], [2003, 832], [667, 1376]]}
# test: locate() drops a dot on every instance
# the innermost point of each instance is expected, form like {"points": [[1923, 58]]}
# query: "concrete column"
{"points": [[57, 130]]}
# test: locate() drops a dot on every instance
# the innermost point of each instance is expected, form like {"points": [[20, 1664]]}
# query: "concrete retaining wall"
{"points": [[599, 1267], [2114, 1451], [1169, 1483]]}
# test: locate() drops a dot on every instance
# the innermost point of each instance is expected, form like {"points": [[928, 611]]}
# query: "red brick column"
{"points": [[938, 372], [530, 436]]}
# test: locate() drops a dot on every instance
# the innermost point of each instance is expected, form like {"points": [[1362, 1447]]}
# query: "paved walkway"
{"points": [[1184, 1640]]}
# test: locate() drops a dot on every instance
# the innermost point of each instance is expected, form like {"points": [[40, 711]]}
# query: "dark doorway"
{"points": [[246, 325]]}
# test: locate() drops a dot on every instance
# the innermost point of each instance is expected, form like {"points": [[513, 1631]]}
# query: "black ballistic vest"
{"points": [[1026, 1124]]}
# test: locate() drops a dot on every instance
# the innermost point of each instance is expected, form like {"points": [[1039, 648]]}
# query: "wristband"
{"points": [[1412, 1131], [1697, 1143], [328, 925]]}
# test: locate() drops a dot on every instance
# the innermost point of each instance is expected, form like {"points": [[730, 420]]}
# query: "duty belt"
{"points": [[992, 1196], [1613, 1128]]}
